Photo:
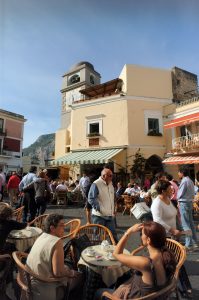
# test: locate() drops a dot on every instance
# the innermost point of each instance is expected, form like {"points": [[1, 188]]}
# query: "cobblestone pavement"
{"points": [[124, 222]]}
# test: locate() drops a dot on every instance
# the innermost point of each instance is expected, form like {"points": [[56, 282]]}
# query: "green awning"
{"points": [[87, 157]]}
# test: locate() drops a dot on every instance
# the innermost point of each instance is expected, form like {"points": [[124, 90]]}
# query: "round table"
{"points": [[25, 238], [110, 270]]}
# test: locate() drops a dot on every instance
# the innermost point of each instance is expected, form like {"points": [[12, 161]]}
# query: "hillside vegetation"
{"points": [[42, 148]]}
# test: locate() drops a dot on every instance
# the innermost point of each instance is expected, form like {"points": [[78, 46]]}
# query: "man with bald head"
{"points": [[101, 197]]}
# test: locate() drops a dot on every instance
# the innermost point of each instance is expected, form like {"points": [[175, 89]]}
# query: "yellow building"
{"points": [[110, 122]]}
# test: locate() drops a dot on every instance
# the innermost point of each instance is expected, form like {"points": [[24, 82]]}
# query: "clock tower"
{"points": [[79, 77]]}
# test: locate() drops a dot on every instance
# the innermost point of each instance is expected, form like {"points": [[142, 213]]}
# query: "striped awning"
{"points": [[181, 160], [182, 121], [87, 157]]}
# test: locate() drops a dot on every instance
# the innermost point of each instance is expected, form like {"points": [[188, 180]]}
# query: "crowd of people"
{"points": [[171, 208]]}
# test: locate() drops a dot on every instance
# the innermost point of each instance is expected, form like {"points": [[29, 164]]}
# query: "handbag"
{"points": [[78, 244], [139, 210]]}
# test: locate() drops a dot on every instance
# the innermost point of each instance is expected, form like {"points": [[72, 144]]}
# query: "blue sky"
{"points": [[41, 39]]}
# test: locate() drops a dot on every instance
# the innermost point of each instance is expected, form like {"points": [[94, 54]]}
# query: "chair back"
{"points": [[129, 202], [17, 214], [71, 228], [25, 274], [23, 277], [162, 294], [96, 233], [179, 253], [61, 197], [39, 221]]}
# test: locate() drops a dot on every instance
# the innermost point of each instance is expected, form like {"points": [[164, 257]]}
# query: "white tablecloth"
{"points": [[25, 238], [110, 270]]}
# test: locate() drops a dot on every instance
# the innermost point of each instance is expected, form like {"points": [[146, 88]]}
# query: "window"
{"points": [[92, 79], [1, 125], [67, 149], [153, 122], [11, 145], [74, 79], [153, 125], [94, 127], [185, 130]]}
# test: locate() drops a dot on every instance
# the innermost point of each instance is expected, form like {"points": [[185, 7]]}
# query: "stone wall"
{"points": [[184, 84]]}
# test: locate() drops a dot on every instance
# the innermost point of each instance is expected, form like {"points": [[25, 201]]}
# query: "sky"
{"points": [[41, 39]]}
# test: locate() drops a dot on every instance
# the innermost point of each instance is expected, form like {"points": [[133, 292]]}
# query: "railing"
{"points": [[5, 152], [189, 101], [184, 142]]}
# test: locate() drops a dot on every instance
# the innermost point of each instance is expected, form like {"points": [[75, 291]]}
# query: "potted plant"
{"points": [[92, 134], [153, 132]]}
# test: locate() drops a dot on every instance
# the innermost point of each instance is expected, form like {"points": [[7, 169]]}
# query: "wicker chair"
{"points": [[163, 294], [17, 213], [179, 253], [38, 221], [96, 233], [61, 197], [71, 228], [25, 274], [180, 256]]}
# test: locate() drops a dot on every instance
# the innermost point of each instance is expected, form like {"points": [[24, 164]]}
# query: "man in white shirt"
{"points": [[135, 191], [128, 189], [61, 187], [101, 197], [29, 194]]}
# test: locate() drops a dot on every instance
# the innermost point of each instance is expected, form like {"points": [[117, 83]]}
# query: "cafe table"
{"points": [[25, 238], [101, 266]]}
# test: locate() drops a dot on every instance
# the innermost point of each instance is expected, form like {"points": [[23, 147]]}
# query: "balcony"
{"points": [[6, 153], [188, 101], [186, 143]]}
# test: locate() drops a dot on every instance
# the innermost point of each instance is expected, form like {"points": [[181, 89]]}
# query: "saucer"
{"points": [[91, 254]]}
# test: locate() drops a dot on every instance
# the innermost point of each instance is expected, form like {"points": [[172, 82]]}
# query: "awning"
{"points": [[107, 88], [182, 121], [87, 157], [181, 160]]}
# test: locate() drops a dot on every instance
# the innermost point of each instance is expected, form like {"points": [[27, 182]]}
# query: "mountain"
{"points": [[42, 149]]}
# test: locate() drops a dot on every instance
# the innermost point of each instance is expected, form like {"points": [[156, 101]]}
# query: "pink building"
{"points": [[11, 139]]}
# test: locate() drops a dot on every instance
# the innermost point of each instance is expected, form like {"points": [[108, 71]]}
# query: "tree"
{"points": [[138, 163]]}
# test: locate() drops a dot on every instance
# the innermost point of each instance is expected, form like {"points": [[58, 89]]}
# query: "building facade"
{"points": [[11, 140], [111, 122], [182, 135]]}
